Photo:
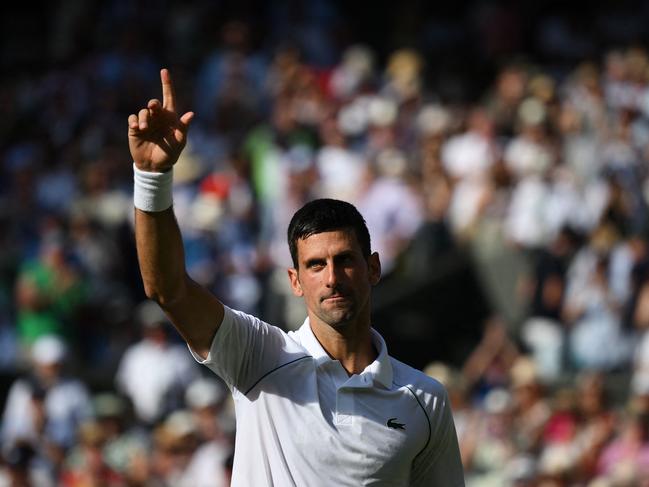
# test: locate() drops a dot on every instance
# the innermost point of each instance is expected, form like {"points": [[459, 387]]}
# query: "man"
{"points": [[45, 406], [154, 372], [324, 405]]}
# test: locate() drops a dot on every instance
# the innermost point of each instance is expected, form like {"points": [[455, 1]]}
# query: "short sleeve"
{"points": [[440, 463], [245, 348]]}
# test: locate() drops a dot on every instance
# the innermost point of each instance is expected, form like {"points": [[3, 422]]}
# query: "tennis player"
{"points": [[324, 405]]}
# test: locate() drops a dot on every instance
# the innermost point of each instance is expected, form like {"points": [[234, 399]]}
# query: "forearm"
{"points": [[161, 255], [195, 313]]}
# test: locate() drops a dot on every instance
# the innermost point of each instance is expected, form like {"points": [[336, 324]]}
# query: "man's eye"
{"points": [[347, 259]]}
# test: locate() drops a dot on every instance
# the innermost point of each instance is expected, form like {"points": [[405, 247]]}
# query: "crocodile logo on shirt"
{"points": [[392, 423]]}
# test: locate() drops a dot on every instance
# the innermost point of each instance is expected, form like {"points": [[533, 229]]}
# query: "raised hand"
{"points": [[157, 135]]}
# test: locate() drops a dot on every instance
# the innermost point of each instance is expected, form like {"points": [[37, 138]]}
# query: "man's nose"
{"points": [[332, 275]]}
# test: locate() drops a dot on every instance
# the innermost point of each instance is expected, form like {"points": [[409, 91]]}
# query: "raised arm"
{"points": [[157, 136]]}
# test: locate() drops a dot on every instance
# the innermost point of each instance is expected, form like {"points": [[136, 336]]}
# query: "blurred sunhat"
{"points": [[448, 376], [188, 169], [108, 405], [359, 59], [391, 163], [382, 111], [433, 119], [48, 349], [524, 372], [204, 392], [497, 401], [180, 423], [149, 314]]}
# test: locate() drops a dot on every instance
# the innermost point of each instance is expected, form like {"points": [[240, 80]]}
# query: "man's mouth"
{"points": [[335, 297]]}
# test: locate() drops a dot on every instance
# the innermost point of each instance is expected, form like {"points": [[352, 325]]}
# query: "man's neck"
{"points": [[351, 345]]}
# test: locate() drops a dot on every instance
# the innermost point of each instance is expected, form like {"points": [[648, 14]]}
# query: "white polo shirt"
{"points": [[302, 421]]}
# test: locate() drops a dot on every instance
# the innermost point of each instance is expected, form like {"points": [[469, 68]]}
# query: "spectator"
{"points": [[154, 372], [45, 407], [626, 458], [208, 465], [125, 449], [86, 465], [20, 468], [597, 339], [49, 291], [175, 442], [530, 407]]}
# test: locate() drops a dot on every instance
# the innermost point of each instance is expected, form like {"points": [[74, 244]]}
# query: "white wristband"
{"points": [[152, 191]]}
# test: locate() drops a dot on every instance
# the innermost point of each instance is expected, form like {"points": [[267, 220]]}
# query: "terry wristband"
{"points": [[152, 191]]}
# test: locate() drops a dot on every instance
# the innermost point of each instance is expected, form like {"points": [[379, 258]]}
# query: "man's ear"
{"points": [[374, 265], [295, 282]]}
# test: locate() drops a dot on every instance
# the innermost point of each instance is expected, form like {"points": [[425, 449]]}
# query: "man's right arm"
{"points": [[193, 310], [157, 135]]}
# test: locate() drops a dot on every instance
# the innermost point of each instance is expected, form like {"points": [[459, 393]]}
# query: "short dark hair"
{"points": [[327, 215]]}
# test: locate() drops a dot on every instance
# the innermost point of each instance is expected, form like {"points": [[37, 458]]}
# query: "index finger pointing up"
{"points": [[168, 95]]}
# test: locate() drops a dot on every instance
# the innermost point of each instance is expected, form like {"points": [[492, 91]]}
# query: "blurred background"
{"points": [[497, 149]]}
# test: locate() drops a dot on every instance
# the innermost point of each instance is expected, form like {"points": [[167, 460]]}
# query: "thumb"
{"points": [[186, 119]]}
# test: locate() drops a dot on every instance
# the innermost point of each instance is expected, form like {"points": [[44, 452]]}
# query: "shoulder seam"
{"points": [[273, 370], [430, 429]]}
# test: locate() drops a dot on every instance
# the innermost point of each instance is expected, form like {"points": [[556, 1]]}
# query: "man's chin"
{"points": [[340, 320]]}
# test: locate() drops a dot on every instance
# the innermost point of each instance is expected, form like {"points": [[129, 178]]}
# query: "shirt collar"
{"points": [[380, 370]]}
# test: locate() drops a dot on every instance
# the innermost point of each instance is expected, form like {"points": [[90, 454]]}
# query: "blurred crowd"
{"points": [[543, 178]]}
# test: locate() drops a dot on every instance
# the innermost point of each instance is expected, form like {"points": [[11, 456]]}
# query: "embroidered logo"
{"points": [[392, 423]]}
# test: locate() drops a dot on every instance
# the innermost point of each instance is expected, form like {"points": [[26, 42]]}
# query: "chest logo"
{"points": [[392, 423]]}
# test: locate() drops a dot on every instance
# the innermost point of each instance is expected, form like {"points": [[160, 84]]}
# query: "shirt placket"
{"points": [[346, 399]]}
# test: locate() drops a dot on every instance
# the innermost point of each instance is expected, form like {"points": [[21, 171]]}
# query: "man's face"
{"points": [[334, 277]]}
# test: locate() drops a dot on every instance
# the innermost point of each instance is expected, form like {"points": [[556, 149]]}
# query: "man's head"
{"points": [[325, 215], [334, 267]]}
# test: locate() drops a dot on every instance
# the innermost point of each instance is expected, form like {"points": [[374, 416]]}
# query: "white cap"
{"points": [[149, 314], [204, 392], [433, 119], [497, 401], [382, 111], [48, 349]]}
